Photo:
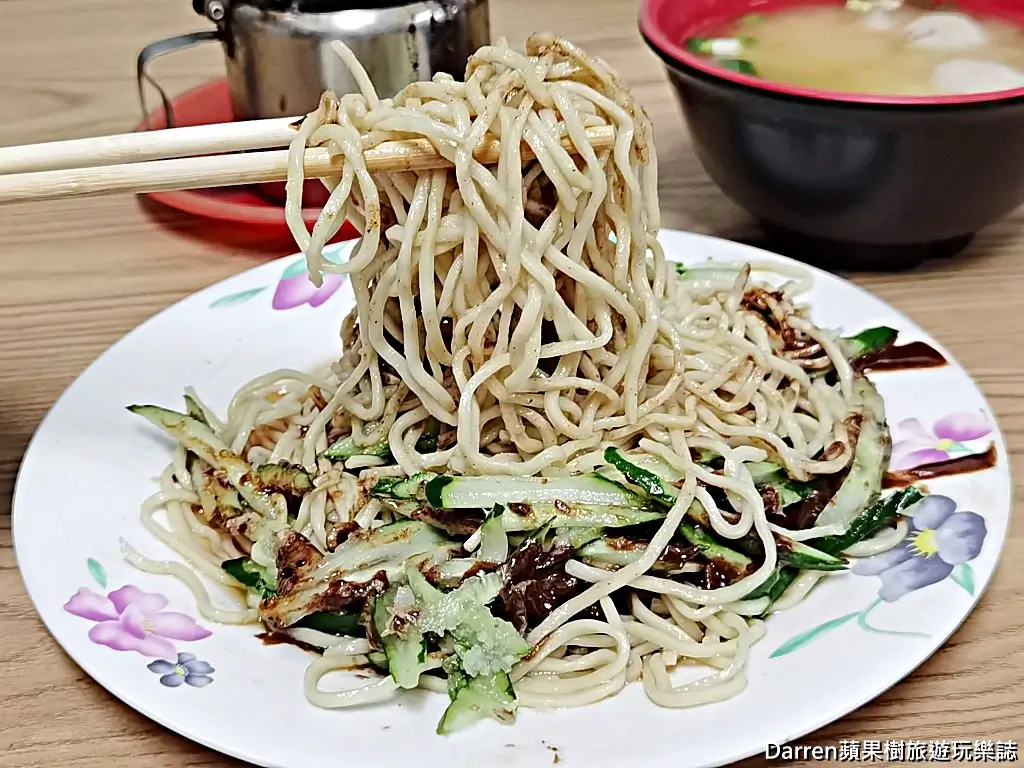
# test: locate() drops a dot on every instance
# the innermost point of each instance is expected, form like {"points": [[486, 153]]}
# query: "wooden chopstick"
{"points": [[149, 145], [245, 168]]}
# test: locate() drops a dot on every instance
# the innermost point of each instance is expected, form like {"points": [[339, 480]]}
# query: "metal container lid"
{"points": [[217, 9]]}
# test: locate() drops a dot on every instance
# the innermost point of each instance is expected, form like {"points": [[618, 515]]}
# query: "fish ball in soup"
{"points": [[947, 31], [970, 76]]}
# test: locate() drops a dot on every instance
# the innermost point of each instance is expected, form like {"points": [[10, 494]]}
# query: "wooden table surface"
{"points": [[77, 275]]}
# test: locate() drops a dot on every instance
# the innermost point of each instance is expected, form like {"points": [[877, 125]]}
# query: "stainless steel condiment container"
{"points": [[279, 59]]}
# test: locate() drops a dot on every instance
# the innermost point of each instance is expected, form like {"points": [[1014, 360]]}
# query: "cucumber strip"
{"points": [[706, 278], [863, 527], [872, 520], [791, 492], [203, 484], [451, 573], [711, 549], [378, 659], [651, 483], [578, 537], [457, 677], [870, 458], [670, 475], [518, 518], [484, 492], [250, 575], [784, 577], [404, 646], [285, 478], [527, 517], [602, 552], [402, 487], [201, 440], [490, 644], [362, 555], [493, 539], [389, 547], [798, 555], [477, 698], [194, 409], [232, 500], [530, 516], [705, 455], [346, 448], [767, 474], [868, 340], [339, 624], [790, 553], [765, 587], [764, 471], [214, 496], [427, 442]]}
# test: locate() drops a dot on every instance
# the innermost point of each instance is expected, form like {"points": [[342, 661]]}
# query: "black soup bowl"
{"points": [[845, 181]]}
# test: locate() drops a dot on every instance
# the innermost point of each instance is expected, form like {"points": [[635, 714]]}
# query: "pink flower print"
{"points": [[295, 288], [944, 440], [129, 619]]}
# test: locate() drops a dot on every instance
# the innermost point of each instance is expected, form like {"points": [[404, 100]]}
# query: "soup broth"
{"points": [[873, 49]]}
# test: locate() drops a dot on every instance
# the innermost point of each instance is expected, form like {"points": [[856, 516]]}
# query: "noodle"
{"points": [[518, 321]]}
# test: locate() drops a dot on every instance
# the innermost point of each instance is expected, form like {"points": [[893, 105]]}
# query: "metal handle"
{"points": [[155, 51]]}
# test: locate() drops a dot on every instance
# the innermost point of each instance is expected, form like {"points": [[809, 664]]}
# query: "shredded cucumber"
{"points": [[404, 646], [486, 643], [475, 698], [346, 448], [868, 340], [198, 438], [484, 492], [870, 458]]}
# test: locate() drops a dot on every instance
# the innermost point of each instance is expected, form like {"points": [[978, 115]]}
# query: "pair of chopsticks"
{"points": [[219, 155]]}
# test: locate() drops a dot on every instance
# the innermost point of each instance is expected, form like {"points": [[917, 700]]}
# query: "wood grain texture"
{"points": [[77, 275]]}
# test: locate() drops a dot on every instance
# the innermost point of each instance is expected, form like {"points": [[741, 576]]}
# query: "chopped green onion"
{"points": [[715, 46], [752, 18], [742, 66]]}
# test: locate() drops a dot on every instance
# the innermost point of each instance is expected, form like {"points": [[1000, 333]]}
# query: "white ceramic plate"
{"points": [[91, 463]]}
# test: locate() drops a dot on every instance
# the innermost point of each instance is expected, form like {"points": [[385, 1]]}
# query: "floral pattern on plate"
{"points": [[940, 543], [945, 440], [586, 736], [187, 670], [294, 288], [129, 619]]}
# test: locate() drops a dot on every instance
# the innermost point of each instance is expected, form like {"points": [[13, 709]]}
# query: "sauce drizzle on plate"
{"points": [[901, 357], [961, 465]]}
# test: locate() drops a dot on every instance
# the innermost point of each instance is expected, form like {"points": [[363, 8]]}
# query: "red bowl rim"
{"points": [[660, 40]]}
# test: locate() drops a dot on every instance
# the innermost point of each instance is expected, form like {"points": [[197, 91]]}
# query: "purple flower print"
{"points": [[132, 620], [295, 288], [945, 439], [940, 538], [188, 670]]}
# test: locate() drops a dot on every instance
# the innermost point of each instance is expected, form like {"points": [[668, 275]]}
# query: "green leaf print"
{"points": [[799, 641]]}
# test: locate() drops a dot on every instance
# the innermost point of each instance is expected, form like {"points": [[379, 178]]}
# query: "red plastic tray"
{"points": [[207, 104]]}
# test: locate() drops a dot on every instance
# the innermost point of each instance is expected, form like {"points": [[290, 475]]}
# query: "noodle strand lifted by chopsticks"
{"points": [[518, 321]]}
